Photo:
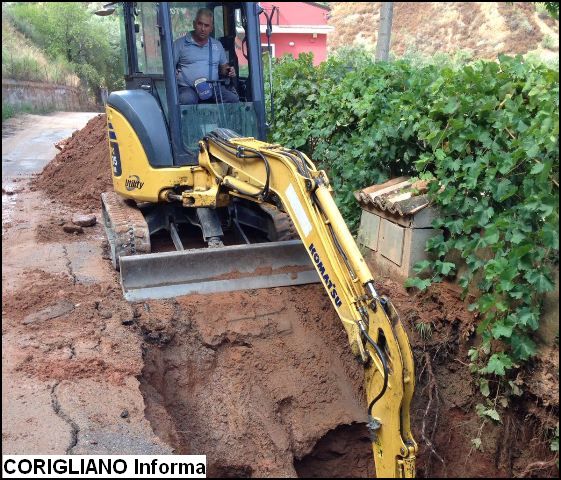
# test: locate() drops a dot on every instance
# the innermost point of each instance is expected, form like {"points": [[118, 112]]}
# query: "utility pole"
{"points": [[384, 32]]}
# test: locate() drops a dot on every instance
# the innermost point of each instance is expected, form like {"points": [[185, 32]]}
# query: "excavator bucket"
{"points": [[212, 270]]}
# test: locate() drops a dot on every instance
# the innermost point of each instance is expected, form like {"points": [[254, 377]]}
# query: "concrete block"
{"points": [[369, 230], [390, 242], [395, 245]]}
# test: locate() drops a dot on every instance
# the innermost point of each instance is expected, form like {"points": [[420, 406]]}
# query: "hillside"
{"points": [[484, 29], [22, 60]]}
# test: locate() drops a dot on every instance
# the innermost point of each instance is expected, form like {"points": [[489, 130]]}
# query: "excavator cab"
{"points": [[148, 32], [163, 202]]}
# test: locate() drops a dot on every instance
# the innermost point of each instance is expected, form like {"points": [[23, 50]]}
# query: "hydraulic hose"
{"points": [[239, 152], [384, 365]]}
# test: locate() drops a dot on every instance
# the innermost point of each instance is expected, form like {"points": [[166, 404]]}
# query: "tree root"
{"points": [[537, 466], [433, 396]]}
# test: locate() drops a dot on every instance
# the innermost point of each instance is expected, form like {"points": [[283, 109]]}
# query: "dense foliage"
{"points": [[70, 32], [552, 8], [484, 134]]}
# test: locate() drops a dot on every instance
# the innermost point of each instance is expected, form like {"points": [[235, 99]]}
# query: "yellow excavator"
{"points": [[235, 211]]}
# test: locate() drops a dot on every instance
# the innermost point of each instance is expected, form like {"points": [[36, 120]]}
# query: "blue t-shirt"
{"points": [[191, 59]]}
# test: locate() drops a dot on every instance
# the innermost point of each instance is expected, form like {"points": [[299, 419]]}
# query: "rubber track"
{"points": [[283, 224], [127, 231]]}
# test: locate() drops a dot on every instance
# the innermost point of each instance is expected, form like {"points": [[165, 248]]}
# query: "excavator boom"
{"points": [[286, 180], [263, 172]]}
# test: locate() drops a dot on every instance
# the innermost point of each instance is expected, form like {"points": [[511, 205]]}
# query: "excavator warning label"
{"points": [[331, 288], [301, 216]]}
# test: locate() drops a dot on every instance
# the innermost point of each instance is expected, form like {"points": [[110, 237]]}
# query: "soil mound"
{"points": [[82, 170]]}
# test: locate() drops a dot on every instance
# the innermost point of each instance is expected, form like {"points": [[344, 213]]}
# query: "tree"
{"points": [[69, 31], [384, 32]]}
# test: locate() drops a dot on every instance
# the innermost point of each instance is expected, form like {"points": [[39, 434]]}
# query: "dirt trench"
{"points": [[263, 381], [258, 378]]}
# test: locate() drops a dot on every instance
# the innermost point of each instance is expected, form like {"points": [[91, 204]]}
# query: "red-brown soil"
{"points": [[263, 381], [429, 28], [77, 175]]}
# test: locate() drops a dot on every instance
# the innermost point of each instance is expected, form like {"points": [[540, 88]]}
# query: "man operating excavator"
{"points": [[199, 59]]}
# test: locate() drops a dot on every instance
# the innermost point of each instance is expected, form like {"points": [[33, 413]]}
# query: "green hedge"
{"points": [[486, 131]]}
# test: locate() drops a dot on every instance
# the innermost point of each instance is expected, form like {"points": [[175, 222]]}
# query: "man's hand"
{"points": [[227, 71]]}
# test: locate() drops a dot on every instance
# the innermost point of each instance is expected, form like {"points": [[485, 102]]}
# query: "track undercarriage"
{"points": [[236, 247]]}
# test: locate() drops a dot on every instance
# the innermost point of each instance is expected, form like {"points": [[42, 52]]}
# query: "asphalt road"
{"points": [[58, 412]]}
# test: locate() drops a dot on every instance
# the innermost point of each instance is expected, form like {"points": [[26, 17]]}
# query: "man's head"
{"points": [[203, 24]]}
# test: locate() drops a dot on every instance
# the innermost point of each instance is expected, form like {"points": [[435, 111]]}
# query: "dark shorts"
{"points": [[188, 96]]}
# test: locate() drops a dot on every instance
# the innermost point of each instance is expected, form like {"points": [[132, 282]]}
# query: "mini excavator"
{"points": [[238, 212]]}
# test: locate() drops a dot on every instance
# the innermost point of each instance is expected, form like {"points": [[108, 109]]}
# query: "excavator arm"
{"points": [[267, 173]]}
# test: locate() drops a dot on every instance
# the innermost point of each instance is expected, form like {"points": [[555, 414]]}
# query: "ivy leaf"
{"points": [[527, 317], [498, 364], [504, 190], [476, 442], [550, 236], [421, 266], [417, 283], [484, 387], [537, 168], [539, 280], [451, 106], [480, 409], [555, 442], [518, 292], [492, 413], [440, 154], [445, 267], [516, 390], [485, 302], [517, 237], [502, 328], [523, 347]]}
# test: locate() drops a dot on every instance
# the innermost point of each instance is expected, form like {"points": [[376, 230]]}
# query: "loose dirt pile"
{"points": [[82, 170], [262, 381]]}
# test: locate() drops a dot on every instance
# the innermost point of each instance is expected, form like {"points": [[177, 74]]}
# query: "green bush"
{"points": [[7, 111], [485, 131], [21, 60]]}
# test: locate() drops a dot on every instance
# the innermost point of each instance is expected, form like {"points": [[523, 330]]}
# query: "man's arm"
{"points": [[224, 69]]}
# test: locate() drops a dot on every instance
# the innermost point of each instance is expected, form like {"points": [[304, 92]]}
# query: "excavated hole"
{"points": [[255, 388], [344, 452]]}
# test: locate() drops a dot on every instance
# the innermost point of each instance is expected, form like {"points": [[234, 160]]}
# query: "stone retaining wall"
{"points": [[38, 96]]}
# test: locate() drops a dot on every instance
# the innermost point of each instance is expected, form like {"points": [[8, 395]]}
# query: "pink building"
{"points": [[297, 27]]}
